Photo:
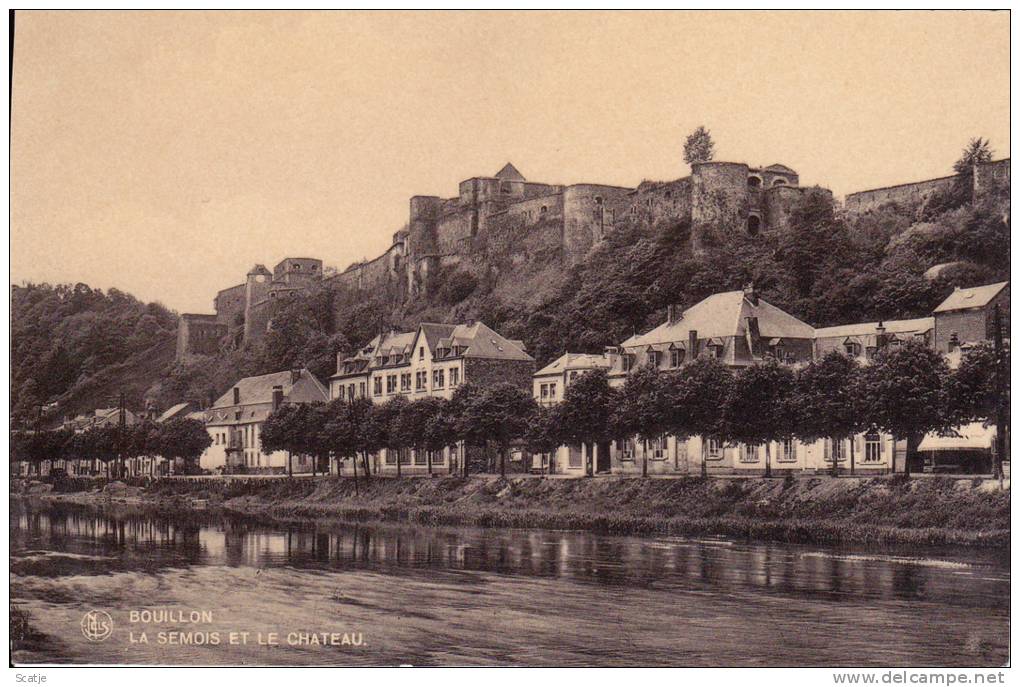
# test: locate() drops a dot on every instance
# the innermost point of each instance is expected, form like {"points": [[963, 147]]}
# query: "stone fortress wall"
{"points": [[507, 216]]}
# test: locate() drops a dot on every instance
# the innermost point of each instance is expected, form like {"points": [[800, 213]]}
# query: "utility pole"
{"points": [[1000, 406]]}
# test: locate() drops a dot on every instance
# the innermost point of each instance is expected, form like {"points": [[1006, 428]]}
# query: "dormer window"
{"points": [[653, 358], [676, 357]]}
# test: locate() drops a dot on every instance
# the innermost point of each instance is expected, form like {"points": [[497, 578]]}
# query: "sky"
{"points": [[166, 153]]}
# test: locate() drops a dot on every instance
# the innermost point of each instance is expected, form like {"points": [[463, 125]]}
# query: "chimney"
{"points": [[295, 375], [237, 396], [750, 294], [277, 397], [692, 344], [880, 336], [753, 336], [611, 352], [673, 313]]}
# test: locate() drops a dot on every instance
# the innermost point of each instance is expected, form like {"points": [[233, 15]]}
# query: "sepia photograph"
{"points": [[484, 338]]}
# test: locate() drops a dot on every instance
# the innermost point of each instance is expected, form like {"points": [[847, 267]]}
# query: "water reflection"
{"points": [[72, 540]]}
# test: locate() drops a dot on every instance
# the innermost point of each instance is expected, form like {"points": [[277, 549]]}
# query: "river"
{"points": [[391, 595]]}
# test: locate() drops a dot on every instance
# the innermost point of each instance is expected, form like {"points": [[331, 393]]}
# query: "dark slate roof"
{"points": [[509, 172], [974, 297]]}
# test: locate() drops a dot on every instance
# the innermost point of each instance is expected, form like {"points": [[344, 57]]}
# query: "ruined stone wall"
{"points": [[653, 202], [719, 202], [199, 335], [229, 305], [586, 217], [780, 201], [990, 177], [902, 194]]}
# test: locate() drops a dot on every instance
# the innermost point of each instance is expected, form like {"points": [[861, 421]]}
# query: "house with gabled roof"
{"points": [[432, 360], [235, 420]]}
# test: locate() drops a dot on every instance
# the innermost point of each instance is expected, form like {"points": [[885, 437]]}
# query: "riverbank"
{"points": [[818, 510]]}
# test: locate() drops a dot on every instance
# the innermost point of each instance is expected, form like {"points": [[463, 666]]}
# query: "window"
{"points": [[753, 182], [715, 350], [779, 182], [350, 392], [391, 383], [544, 391], [437, 457], [405, 456], [749, 453], [377, 386], [573, 375], [405, 381], [454, 377], [676, 357], [391, 457], [438, 379], [420, 458], [627, 450], [653, 358], [787, 451], [421, 380], [628, 362], [715, 450], [552, 391], [361, 389], [852, 349], [753, 225], [421, 353], [657, 448], [574, 460], [504, 187], [837, 451], [872, 447]]}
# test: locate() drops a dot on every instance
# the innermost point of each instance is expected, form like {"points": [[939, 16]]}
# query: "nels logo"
{"points": [[96, 625]]}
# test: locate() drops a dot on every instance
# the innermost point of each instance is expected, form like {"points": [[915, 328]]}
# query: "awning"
{"points": [[973, 437]]}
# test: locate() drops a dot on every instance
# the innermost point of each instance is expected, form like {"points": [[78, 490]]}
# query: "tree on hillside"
{"points": [[903, 393], [826, 403], [758, 408], [642, 409], [699, 146], [698, 393], [978, 150], [586, 413], [500, 414]]}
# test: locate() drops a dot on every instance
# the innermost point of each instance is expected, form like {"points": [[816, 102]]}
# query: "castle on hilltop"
{"points": [[507, 219]]}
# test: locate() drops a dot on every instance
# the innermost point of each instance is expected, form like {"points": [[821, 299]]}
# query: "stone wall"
{"points": [[901, 194], [972, 325], [586, 217], [229, 304], [653, 202], [199, 335], [719, 201]]}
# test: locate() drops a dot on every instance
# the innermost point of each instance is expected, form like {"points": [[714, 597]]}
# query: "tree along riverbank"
{"points": [[819, 510]]}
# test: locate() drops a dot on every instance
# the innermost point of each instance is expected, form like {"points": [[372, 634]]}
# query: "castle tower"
{"points": [[256, 290]]}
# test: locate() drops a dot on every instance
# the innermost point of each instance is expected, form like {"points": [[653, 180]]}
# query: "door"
{"points": [[603, 462]]}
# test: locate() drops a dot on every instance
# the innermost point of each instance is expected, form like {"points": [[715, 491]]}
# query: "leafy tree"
{"points": [[183, 438], [543, 432], [500, 414], [586, 412], [903, 393], [699, 146], [420, 424], [825, 401], [758, 407], [642, 408], [977, 151], [979, 390], [439, 429], [282, 431], [464, 397], [698, 393], [387, 428]]}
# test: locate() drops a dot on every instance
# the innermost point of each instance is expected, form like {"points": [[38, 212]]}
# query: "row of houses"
{"points": [[737, 327]]}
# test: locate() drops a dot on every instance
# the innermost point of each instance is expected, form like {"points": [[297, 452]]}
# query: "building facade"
{"points": [[235, 420], [431, 361]]}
